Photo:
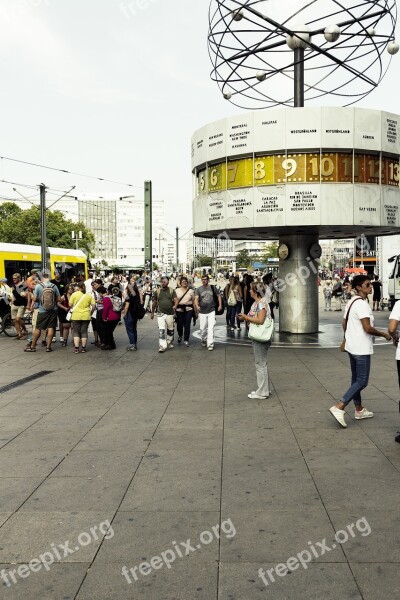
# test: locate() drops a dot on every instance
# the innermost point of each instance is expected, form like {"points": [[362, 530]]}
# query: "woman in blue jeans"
{"points": [[358, 327], [259, 311], [130, 313]]}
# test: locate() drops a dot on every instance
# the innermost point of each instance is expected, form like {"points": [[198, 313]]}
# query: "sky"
{"points": [[114, 89]]}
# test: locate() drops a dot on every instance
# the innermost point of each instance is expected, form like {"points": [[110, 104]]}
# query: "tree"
{"points": [[23, 227], [9, 209], [270, 251], [243, 259], [204, 261]]}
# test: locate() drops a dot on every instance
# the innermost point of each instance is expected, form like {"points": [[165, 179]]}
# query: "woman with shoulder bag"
{"points": [[132, 303], [184, 310], [82, 305], [358, 327], [63, 310], [112, 307], [258, 315], [233, 295]]}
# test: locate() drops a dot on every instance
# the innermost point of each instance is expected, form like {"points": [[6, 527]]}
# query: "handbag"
{"points": [[141, 311], [343, 344], [68, 316], [216, 302], [263, 332]]}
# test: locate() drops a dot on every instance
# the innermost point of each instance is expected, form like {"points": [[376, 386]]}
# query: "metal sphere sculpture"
{"points": [[254, 44]]}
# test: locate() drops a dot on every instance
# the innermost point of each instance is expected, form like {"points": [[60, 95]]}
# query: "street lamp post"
{"points": [[76, 237]]}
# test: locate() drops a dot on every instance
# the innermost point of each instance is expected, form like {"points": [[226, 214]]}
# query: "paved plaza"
{"points": [[161, 464]]}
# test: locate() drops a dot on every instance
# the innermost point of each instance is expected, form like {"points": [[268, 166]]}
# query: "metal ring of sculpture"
{"points": [[347, 49]]}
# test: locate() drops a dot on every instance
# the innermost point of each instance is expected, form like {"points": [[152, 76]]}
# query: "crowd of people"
{"points": [[103, 304], [339, 290]]}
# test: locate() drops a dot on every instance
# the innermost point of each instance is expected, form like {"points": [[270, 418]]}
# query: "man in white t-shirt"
{"points": [[358, 327], [394, 320]]}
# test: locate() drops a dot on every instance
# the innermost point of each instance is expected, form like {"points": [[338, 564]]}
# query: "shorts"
{"points": [[376, 298], [47, 320], [80, 329], [17, 312]]}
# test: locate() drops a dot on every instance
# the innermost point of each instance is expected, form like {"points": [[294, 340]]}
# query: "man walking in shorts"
{"points": [[47, 296]]}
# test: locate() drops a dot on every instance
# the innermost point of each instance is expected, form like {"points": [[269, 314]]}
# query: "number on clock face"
{"points": [[290, 168], [217, 177], [321, 167], [264, 170], [201, 182], [390, 171], [240, 173]]}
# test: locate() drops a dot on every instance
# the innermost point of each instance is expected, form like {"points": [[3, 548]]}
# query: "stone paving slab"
{"points": [[61, 582], [28, 535], [167, 446]]}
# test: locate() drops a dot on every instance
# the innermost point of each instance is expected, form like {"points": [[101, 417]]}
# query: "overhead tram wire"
{"points": [[67, 172]]}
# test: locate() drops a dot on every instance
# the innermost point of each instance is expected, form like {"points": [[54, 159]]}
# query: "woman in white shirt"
{"points": [[358, 327]]}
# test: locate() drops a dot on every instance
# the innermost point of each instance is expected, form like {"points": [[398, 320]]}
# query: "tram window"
{"points": [[23, 267]]}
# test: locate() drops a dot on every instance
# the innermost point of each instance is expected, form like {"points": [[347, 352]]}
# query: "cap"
{"points": [[34, 271], [3, 280]]}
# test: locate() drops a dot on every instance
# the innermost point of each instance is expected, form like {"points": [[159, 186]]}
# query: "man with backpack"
{"points": [[46, 294], [207, 301], [164, 307]]}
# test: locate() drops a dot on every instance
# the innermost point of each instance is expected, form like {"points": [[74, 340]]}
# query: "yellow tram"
{"points": [[18, 258]]}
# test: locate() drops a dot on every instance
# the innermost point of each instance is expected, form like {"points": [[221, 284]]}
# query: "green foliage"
{"points": [[19, 226], [204, 261], [243, 259], [9, 209], [271, 251]]}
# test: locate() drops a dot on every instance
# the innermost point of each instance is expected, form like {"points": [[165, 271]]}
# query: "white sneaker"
{"points": [[203, 343], [363, 414], [339, 415], [61, 339], [161, 349], [186, 343], [210, 348], [170, 345], [255, 396]]}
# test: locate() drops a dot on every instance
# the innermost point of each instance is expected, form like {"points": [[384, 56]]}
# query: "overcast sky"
{"points": [[114, 89]]}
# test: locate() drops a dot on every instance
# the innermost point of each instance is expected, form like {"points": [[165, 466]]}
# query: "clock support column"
{"points": [[298, 285]]}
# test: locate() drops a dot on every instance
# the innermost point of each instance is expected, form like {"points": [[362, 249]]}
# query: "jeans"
{"points": [[131, 328], [207, 325], [328, 300], [231, 315], [239, 306], [260, 350], [360, 368], [165, 321], [183, 322]]}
